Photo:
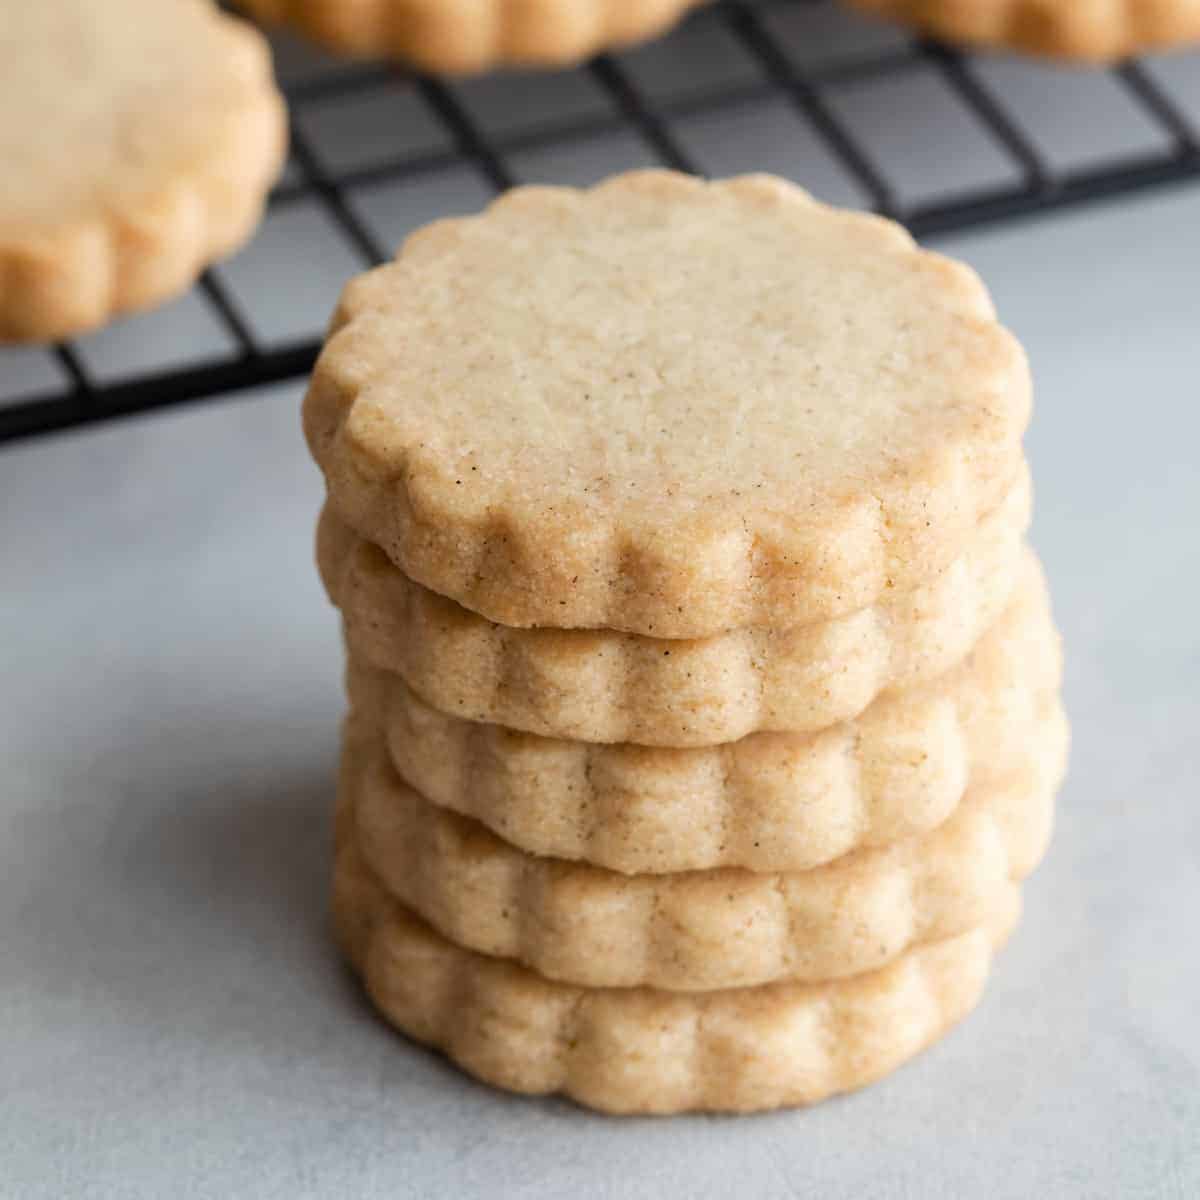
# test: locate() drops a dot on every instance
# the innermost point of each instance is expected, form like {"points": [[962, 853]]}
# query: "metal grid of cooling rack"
{"points": [[730, 73]]}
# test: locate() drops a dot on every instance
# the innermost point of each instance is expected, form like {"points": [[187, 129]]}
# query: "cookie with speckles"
{"points": [[667, 407]]}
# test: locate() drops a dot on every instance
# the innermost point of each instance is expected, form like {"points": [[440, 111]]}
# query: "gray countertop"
{"points": [[173, 1020]]}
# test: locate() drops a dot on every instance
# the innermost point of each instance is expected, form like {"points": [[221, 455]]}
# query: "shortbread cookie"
{"points": [[706, 929], [602, 686], [645, 1051], [466, 36], [770, 802], [138, 140], [1089, 30], [667, 407]]}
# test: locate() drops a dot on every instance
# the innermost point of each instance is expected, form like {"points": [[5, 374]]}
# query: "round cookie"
{"points": [[603, 686], [769, 802], [668, 407], [1086, 30], [645, 1051], [139, 140], [703, 930], [466, 36]]}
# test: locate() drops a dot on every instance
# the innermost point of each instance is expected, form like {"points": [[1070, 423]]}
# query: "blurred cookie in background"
{"points": [[139, 141], [1085, 30], [460, 37]]}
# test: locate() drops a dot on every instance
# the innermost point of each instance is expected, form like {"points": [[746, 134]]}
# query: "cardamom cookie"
{"points": [[667, 407], [466, 36], [139, 140], [769, 802], [701, 930], [645, 1051], [603, 686], [1088, 30]]}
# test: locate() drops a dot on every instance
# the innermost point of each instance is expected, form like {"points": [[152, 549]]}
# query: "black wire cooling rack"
{"points": [[856, 111]]}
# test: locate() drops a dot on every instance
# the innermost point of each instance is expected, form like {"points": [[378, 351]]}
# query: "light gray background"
{"points": [[173, 1020]]}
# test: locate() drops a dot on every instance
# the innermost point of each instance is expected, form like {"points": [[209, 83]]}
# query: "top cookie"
{"points": [[1087, 30], [138, 140], [667, 407]]}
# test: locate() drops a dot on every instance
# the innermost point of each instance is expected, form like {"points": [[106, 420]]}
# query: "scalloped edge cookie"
{"points": [[463, 37], [702, 930], [579, 549], [645, 1051], [770, 802], [603, 686], [59, 282], [1094, 31]]}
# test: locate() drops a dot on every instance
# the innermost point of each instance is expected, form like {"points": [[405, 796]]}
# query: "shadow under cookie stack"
{"points": [[704, 709]]}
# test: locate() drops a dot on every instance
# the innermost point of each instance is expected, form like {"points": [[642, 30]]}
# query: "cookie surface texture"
{"points": [[667, 407], [139, 139]]}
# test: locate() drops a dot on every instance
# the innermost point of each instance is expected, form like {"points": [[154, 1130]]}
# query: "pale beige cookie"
{"points": [[645, 1051], [1089, 30], [466, 36], [770, 802], [603, 686], [138, 139], [668, 407], [707, 929]]}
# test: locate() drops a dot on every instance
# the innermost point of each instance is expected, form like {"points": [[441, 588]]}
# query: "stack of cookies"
{"points": [[704, 693]]}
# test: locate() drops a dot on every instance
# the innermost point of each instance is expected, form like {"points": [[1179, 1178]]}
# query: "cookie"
{"points": [[769, 802], [1086, 30], [667, 407], [467, 36], [702, 930], [139, 140], [646, 1051], [602, 686]]}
